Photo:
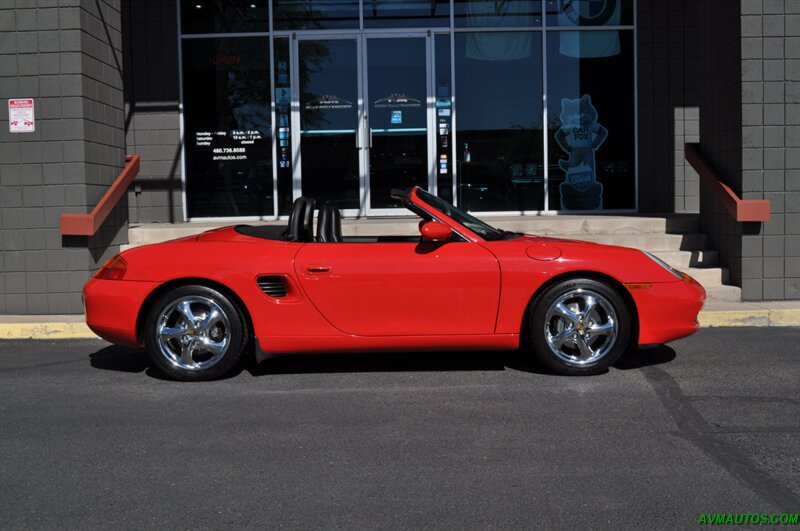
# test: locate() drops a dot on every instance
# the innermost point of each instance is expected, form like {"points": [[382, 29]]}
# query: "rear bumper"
{"points": [[112, 307], [668, 311]]}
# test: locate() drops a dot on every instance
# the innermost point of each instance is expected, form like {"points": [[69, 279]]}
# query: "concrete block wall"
{"points": [[720, 123], [66, 56], [668, 104], [750, 113], [152, 127]]}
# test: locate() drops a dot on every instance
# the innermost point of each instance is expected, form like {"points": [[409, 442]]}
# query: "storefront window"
{"points": [[572, 13], [228, 133], [489, 14], [315, 14], [499, 121], [444, 117], [591, 113], [283, 117], [406, 13], [224, 16], [329, 121], [358, 112]]}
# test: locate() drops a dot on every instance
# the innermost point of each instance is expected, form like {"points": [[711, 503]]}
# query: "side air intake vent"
{"points": [[273, 286]]}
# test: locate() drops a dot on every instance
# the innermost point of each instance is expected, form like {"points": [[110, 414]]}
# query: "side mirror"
{"points": [[435, 231]]}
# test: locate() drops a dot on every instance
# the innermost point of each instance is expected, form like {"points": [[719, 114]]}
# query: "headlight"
{"points": [[666, 266]]}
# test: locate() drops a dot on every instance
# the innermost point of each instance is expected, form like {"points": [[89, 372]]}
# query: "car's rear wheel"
{"points": [[579, 327], [195, 333]]}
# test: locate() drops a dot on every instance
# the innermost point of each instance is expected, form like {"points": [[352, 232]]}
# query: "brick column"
{"points": [[750, 131], [67, 57], [150, 48]]}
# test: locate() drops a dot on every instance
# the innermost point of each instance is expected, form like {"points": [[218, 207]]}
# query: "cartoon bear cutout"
{"points": [[579, 136]]}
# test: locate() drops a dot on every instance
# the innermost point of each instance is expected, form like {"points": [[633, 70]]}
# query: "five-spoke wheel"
{"points": [[579, 326], [195, 333]]}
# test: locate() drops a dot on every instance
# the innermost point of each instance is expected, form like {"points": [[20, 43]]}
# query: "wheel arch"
{"points": [[592, 275], [192, 281]]}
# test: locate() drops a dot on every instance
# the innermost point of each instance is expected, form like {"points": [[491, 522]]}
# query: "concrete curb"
{"points": [[765, 317], [54, 330], [73, 327]]}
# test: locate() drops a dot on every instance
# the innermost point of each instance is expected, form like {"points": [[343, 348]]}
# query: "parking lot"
{"points": [[92, 437]]}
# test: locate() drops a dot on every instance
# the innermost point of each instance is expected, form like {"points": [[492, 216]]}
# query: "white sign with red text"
{"points": [[20, 116]]}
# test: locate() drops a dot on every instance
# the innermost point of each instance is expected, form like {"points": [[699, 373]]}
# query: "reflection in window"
{"points": [[444, 117], [224, 16], [499, 125], [589, 12], [228, 143], [328, 74], [398, 117], [283, 118], [406, 13], [497, 14], [315, 14], [591, 129]]}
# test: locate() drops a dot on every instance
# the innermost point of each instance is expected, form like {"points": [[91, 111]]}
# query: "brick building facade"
{"points": [[105, 78]]}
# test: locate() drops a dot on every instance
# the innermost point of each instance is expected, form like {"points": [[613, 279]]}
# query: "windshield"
{"points": [[487, 232]]}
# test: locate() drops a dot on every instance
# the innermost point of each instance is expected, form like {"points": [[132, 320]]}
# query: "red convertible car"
{"points": [[198, 303]]}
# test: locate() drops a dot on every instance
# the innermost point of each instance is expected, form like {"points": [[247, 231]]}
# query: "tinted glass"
{"points": [[491, 14], [398, 122], [406, 13], [591, 113], [315, 14], [328, 121], [499, 121], [283, 118], [444, 117], [224, 16], [589, 12], [227, 127]]}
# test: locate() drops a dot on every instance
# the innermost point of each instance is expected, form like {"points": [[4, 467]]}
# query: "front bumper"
{"points": [[112, 308], [668, 311]]}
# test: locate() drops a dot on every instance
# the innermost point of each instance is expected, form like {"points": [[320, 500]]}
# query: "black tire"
{"points": [[560, 342], [214, 340]]}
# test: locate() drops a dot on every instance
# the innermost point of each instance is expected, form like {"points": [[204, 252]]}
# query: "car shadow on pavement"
{"points": [[378, 362], [645, 357], [123, 359]]}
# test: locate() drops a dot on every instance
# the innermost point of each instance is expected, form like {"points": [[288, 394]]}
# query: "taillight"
{"points": [[114, 269]]}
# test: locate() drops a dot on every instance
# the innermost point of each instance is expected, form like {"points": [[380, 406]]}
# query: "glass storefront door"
{"points": [[512, 107], [327, 113], [396, 119], [363, 126]]}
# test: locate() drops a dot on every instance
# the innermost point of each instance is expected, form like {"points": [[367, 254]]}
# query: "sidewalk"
{"points": [[715, 314]]}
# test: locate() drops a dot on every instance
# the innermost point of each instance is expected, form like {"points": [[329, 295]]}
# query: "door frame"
{"points": [[297, 166], [362, 129], [430, 114]]}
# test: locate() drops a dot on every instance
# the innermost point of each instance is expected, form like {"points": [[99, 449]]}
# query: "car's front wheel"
{"points": [[579, 327], [194, 333]]}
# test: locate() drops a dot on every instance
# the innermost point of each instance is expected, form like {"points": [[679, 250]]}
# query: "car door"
{"points": [[402, 288]]}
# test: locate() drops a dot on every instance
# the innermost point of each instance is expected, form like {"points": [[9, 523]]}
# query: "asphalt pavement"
{"points": [[92, 437]]}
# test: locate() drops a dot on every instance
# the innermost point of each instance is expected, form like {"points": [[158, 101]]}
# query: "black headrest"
{"points": [[329, 224], [300, 221]]}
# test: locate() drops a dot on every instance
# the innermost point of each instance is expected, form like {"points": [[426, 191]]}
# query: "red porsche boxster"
{"points": [[198, 303]]}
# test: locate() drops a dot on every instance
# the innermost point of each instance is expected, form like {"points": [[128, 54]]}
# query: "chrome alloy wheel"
{"points": [[193, 333], [580, 327]]}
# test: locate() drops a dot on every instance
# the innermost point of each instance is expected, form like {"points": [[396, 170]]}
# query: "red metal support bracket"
{"points": [[740, 209], [89, 224]]}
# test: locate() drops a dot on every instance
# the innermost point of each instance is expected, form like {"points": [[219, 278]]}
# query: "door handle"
{"points": [[318, 269]]}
